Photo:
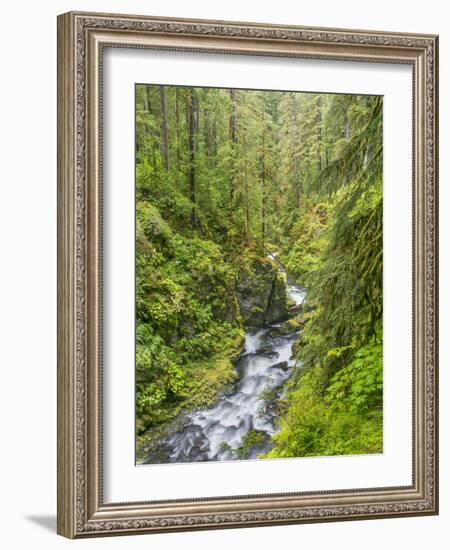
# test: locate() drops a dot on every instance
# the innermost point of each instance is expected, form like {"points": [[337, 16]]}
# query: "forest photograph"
{"points": [[259, 274]]}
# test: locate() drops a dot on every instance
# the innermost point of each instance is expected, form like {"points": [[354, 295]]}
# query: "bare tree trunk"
{"points": [[296, 183], [347, 134], [148, 107], [210, 137], [319, 135], [232, 120], [191, 172], [177, 125], [164, 131], [214, 141], [297, 144], [247, 205], [232, 136], [263, 178], [148, 101], [347, 125]]}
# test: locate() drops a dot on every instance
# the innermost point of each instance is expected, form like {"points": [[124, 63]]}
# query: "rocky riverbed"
{"points": [[240, 425]]}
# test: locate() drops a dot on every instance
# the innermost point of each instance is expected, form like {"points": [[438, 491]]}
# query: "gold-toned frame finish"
{"points": [[81, 38]]}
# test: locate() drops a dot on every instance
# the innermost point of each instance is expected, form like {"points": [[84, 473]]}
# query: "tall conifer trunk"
{"points": [[232, 136], [164, 131], [192, 111], [263, 177]]}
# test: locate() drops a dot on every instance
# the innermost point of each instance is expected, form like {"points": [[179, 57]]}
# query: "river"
{"points": [[218, 432]]}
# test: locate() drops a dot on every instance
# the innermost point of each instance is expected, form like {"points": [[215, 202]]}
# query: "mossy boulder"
{"points": [[252, 440], [261, 292], [276, 310], [292, 325]]}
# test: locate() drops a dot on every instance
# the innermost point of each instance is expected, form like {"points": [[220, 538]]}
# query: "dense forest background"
{"points": [[223, 178]]}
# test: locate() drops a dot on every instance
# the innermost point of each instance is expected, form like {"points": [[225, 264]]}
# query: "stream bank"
{"points": [[242, 422]]}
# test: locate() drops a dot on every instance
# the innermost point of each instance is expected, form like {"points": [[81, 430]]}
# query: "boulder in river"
{"points": [[267, 351], [277, 304], [261, 292], [283, 365]]}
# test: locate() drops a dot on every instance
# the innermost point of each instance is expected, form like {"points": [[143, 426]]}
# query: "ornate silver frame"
{"points": [[81, 38]]}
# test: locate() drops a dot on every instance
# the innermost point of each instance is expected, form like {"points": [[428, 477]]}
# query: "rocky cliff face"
{"points": [[261, 293]]}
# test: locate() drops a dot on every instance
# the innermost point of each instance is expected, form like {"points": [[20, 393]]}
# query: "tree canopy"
{"points": [[224, 177]]}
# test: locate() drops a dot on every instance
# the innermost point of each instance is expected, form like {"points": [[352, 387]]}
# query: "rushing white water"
{"points": [[217, 432], [296, 293]]}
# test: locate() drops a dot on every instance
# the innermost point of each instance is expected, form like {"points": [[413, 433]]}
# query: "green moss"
{"points": [[261, 290], [252, 439], [188, 326], [208, 378], [292, 325]]}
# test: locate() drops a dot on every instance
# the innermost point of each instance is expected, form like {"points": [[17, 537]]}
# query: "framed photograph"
{"points": [[247, 276]]}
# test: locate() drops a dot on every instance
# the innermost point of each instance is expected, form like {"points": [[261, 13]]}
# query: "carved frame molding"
{"points": [[81, 39]]}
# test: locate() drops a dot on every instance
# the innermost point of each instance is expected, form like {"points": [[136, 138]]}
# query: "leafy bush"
{"points": [[342, 417], [187, 315]]}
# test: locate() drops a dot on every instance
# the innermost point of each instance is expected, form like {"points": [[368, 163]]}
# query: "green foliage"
{"points": [[344, 416], [335, 407], [252, 438], [187, 316], [223, 177], [361, 382], [309, 238]]}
